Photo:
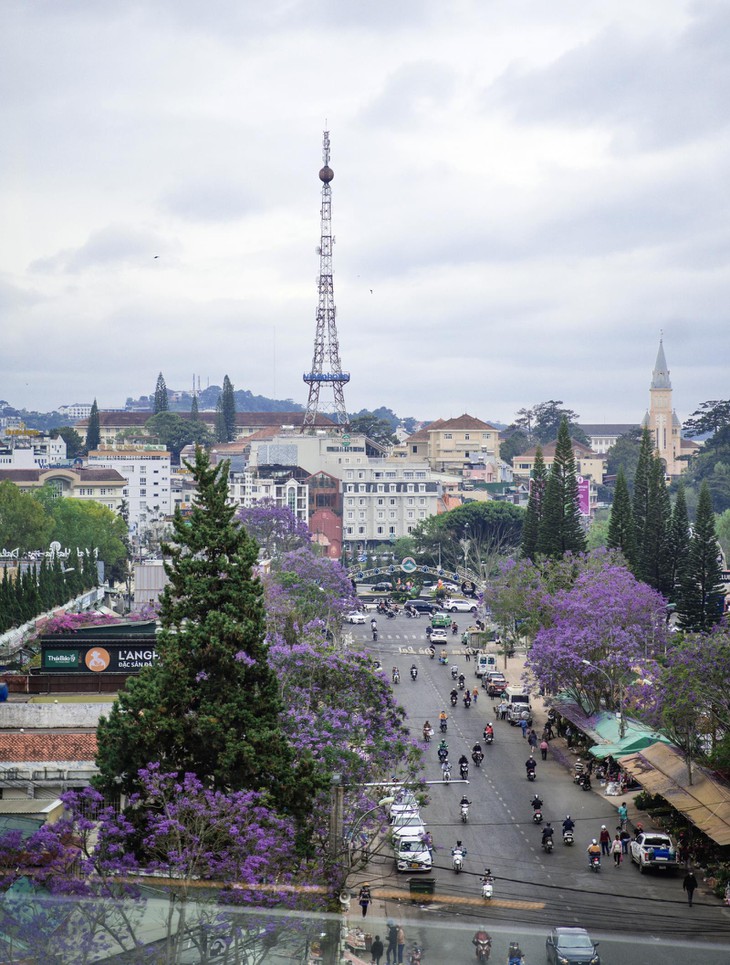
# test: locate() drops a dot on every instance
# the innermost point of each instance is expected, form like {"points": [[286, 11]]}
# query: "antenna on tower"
{"points": [[326, 343]]}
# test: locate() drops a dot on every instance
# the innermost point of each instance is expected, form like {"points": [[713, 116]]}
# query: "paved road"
{"points": [[533, 890]]}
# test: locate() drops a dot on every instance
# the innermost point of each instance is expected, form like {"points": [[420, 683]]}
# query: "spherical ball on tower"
{"points": [[326, 174]]}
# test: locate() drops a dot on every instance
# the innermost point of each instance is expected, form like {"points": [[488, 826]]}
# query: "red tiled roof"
{"points": [[548, 449], [15, 748], [464, 421]]}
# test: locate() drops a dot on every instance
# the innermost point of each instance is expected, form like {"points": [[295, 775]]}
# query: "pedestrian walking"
{"points": [[523, 725], [401, 944], [391, 954], [569, 735], [475, 694], [503, 708], [364, 898], [605, 838], [689, 884], [467, 655], [616, 851], [623, 814], [625, 838], [547, 733], [532, 739], [544, 748], [376, 950]]}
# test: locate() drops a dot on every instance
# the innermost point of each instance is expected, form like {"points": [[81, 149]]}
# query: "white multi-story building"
{"points": [[248, 488], [36, 452], [382, 503], [147, 470], [79, 410]]}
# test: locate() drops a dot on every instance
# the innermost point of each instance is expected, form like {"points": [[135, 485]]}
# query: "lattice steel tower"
{"points": [[326, 343]]}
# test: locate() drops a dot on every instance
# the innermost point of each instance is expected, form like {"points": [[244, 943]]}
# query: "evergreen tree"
{"points": [[45, 587], [653, 553], [640, 506], [679, 542], [560, 529], [93, 431], [535, 505], [621, 523], [701, 599], [220, 423], [228, 411], [210, 704], [161, 403], [194, 416], [6, 589]]}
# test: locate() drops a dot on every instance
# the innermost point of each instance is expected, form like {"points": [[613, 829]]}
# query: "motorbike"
{"points": [[375, 636], [454, 630], [414, 673], [595, 862], [477, 757], [464, 771], [488, 736], [537, 816], [464, 813], [442, 726], [514, 954], [482, 946], [454, 673], [453, 698], [396, 677], [390, 615], [457, 861], [487, 888], [415, 956], [427, 734], [585, 784], [567, 837], [467, 700], [462, 682], [531, 774], [446, 772], [443, 754], [431, 652], [547, 845], [443, 660]]}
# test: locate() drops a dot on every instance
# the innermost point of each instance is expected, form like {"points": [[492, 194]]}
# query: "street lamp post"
{"points": [[621, 721]]}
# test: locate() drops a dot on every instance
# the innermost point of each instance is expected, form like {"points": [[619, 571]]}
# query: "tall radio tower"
{"points": [[326, 344]]}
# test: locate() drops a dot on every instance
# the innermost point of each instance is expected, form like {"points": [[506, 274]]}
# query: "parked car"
{"points": [[459, 606], [411, 854], [571, 946], [653, 849], [496, 684], [405, 802], [408, 824], [383, 587], [355, 617]]}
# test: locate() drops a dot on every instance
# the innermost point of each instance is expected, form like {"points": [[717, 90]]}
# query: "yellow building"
{"points": [[663, 423], [447, 444]]}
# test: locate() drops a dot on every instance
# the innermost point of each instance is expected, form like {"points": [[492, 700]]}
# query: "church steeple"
{"points": [[660, 377]]}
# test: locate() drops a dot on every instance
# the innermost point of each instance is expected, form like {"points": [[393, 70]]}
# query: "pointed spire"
{"points": [[660, 377]]}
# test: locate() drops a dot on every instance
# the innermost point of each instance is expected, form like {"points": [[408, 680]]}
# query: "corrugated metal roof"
{"points": [[661, 769]]}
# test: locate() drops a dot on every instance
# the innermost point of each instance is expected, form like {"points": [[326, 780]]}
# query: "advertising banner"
{"points": [[584, 496]]}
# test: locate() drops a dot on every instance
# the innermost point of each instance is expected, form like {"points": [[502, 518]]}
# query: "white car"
{"points": [[408, 824], [412, 854], [439, 635], [405, 802], [459, 606], [355, 617]]}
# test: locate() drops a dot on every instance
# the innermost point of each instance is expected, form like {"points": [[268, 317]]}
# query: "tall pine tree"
{"points": [[228, 411], [621, 523], [210, 704], [93, 430], [560, 529], [701, 598], [653, 553], [535, 504], [194, 415], [679, 541], [161, 403]]}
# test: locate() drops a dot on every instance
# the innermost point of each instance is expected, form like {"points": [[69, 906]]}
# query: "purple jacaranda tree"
{"points": [[68, 622], [275, 528], [609, 619]]}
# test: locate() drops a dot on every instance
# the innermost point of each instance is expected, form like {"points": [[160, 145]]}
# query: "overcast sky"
{"points": [[526, 194]]}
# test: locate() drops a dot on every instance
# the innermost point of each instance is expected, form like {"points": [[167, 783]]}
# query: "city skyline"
{"points": [[524, 200]]}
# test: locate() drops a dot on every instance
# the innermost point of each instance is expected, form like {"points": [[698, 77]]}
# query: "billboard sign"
{"points": [[584, 496]]}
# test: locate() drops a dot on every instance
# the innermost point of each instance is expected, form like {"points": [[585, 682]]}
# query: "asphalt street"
{"points": [[533, 890]]}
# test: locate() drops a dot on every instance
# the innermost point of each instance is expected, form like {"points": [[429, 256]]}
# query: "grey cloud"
{"points": [[657, 92], [118, 245], [210, 201], [410, 94]]}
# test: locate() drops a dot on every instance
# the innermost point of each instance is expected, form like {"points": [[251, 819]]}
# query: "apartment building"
{"points": [[146, 470]]}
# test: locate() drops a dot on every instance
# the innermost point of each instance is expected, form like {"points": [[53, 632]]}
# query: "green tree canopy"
{"points": [[621, 524], [535, 506], [701, 597], [85, 524], [23, 520], [375, 428], [74, 442], [541, 423], [624, 455], [175, 432], [484, 530], [710, 417]]}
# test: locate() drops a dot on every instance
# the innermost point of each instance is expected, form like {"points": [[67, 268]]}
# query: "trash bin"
{"points": [[419, 887]]}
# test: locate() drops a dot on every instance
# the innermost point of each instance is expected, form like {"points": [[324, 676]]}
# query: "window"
{"points": [[349, 530], [361, 530], [380, 502], [381, 515], [380, 530], [143, 492], [391, 502], [361, 502], [410, 514], [466, 437], [410, 500], [447, 435]]}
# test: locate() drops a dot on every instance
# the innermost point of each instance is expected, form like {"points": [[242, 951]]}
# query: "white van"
{"points": [[484, 663]]}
